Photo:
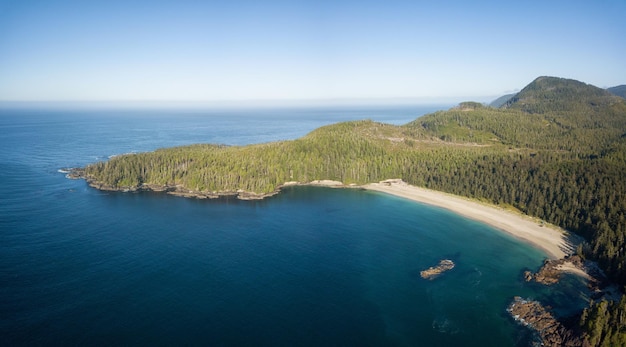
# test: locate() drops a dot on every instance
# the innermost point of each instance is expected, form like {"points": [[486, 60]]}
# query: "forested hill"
{"points": [[578, 104], [556, 150], [549, 113]]}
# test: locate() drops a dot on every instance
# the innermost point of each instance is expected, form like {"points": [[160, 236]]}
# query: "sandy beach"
{"points": [[556, 242]]}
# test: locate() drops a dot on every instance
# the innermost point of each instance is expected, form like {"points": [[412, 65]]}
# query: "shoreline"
{"points": [[555, 242]]}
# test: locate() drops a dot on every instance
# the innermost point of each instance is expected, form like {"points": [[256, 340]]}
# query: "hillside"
{"points": [[501, 100], [556, 150], [618, 90], [550, 113]]}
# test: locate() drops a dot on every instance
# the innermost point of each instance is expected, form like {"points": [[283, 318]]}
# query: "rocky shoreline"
{"points": [[177, 190], [532, 314], [548, 330], [552, 270], [180, 190]]}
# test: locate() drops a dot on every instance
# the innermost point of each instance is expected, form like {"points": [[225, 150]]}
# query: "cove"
{"points": [[310, 266]]}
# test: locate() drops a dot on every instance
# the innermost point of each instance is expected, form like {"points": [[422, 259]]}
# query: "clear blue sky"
{"points": [[232, 50]]}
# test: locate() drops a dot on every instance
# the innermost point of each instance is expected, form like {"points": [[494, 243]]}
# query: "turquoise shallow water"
{"points": [[311, 266]]}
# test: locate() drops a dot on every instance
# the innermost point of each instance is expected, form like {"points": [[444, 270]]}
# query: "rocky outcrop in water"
{"points": [[551, 271], [549, 331], [548, 274], [434, 271], [74, 173]]}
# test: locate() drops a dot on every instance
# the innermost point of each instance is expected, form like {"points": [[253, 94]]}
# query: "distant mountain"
{"points": [[501, 100], [618, 90], [570, 104], [553, 94], [538, 118]]}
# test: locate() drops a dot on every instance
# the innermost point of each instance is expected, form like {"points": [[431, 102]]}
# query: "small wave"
{"points": [[64, 171]]}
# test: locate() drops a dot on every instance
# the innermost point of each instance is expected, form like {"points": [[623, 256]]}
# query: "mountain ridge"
{"points": [[618, 90], [555, 94], [497, 103]]}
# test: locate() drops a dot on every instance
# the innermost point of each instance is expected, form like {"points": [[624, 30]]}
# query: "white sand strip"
{"points": [[554, 241]]}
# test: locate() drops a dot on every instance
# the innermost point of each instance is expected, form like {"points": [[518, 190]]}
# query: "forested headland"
{"points": [[556, 150]]}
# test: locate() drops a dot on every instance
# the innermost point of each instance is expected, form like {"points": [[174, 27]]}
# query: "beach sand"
{"points": [[571, 268], [556, 242]]}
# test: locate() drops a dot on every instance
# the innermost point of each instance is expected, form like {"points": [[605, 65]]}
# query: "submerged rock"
{"points": [[434, 271], [73, 173]]}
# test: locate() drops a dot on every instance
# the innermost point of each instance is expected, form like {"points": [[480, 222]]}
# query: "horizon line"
{"points": [[383, 101]]}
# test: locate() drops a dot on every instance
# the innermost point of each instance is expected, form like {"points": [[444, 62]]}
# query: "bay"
{"points": [[310, 266]]}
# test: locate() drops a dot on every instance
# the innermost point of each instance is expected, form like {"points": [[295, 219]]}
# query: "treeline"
{"points": [[332, 153], [604, 324]]}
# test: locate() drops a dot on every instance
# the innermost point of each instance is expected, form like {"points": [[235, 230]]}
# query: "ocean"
{"points": [[311, 266]]}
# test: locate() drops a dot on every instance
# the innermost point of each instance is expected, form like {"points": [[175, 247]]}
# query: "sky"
{"points": [[182, 50]]}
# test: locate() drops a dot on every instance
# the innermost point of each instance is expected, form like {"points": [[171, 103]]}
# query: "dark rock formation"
{"points": [[551, 271], [536, 317]]}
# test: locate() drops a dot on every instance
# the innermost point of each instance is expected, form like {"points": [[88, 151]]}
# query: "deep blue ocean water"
{"points": [[308, 267]]}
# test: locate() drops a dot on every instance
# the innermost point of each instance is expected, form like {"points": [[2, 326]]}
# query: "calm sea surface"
{"points": [[309, 267]]}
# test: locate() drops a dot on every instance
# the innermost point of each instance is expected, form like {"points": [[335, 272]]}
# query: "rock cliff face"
{"points": [[549, 331]]}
